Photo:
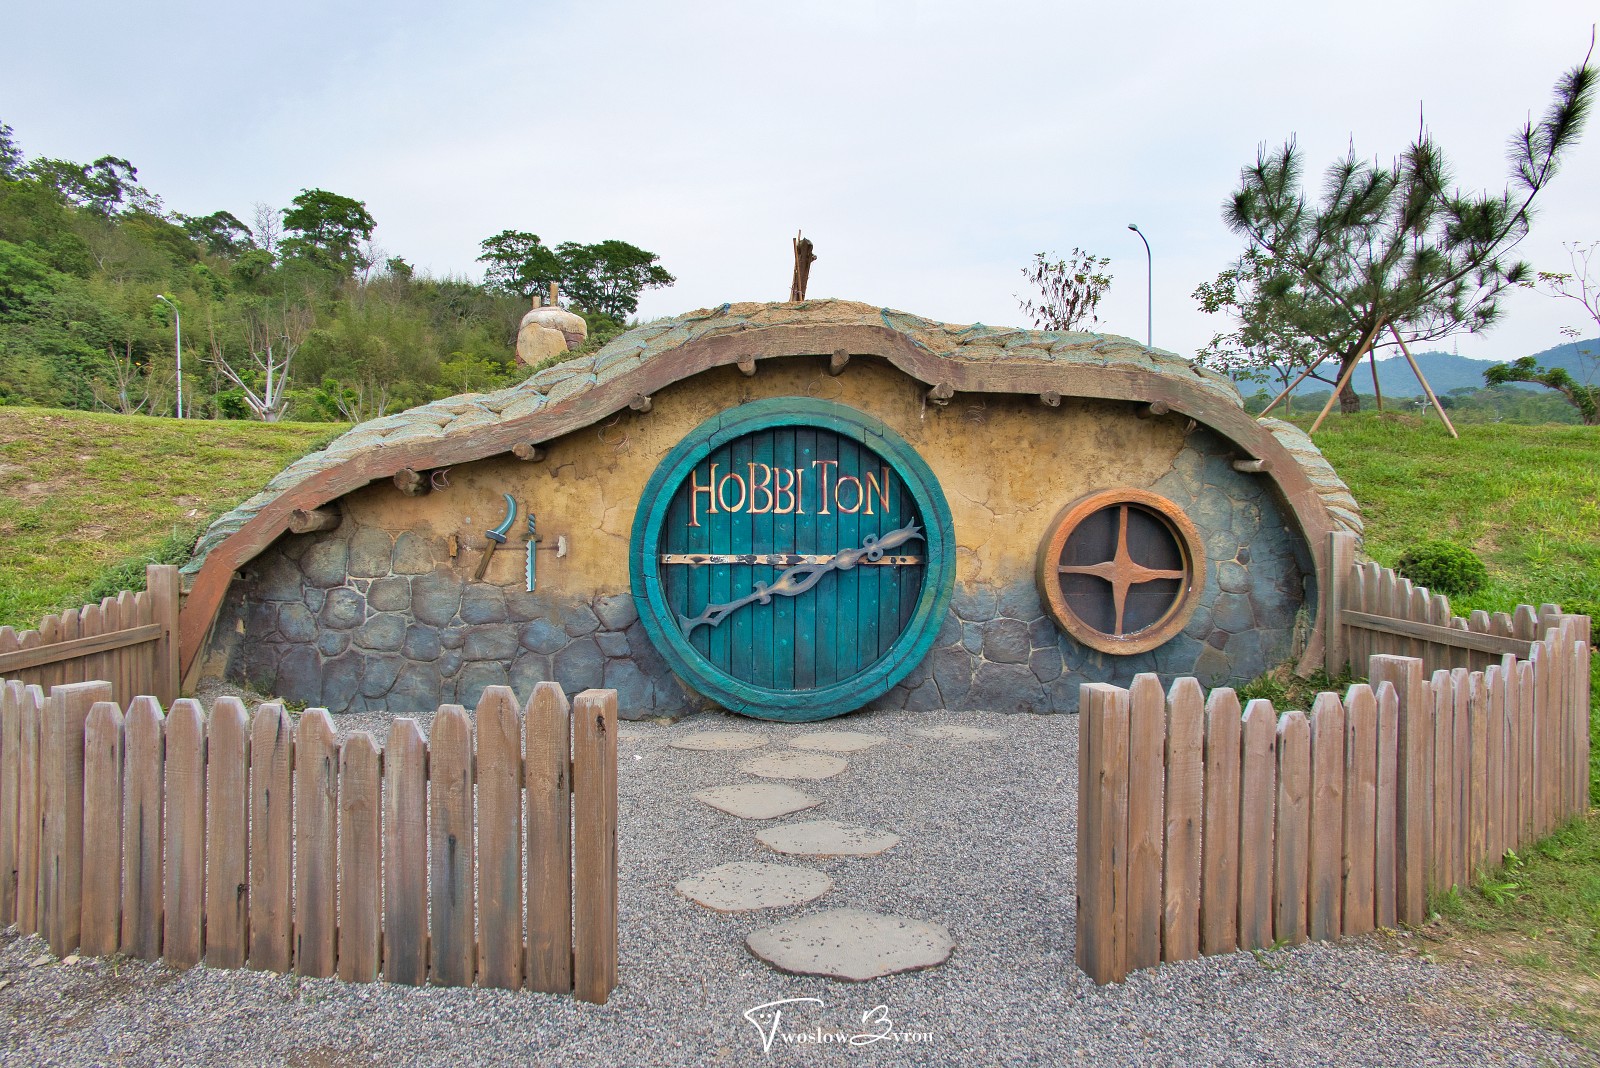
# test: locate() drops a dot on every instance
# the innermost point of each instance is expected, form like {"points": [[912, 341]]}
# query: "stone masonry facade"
{"points": [[361, 618]]}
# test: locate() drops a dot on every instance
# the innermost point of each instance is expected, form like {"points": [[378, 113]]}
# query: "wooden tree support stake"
{"points": [[306, 521], [1448, 425], [411, 483], [640, 403], [531, 453], [942, 393], [1051, 398], [838, 361], [747, 366]]}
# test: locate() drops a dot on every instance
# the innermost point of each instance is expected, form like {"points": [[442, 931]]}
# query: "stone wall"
{"points": [[380, 613]]}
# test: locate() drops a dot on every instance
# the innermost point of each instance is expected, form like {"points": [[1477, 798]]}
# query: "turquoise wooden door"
{"points": [[792, 559]]}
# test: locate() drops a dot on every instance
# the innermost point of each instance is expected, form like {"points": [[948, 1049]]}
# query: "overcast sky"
{"points": [[927, 148]]}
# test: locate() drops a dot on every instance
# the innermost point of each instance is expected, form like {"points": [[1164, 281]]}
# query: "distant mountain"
{"points": [[1446, 371]]}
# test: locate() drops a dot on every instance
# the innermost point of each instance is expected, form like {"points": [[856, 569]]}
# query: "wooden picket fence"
{"points": [[1370, 610], [130, 640], [487, 854], [1202, 830]]}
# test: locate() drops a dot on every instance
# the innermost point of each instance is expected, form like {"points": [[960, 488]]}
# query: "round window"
{"points": [[1121, 570]]}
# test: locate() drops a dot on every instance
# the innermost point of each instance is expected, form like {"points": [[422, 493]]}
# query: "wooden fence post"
{"points": [[499, 756], [142, 860], [1219, 840], [62, 723], [1147, 727], [227, 868], [1413, 780], [1361, 809], [405, 848], [1292, 830], [1102, 831], [102, 829], [594, 802], [547, 755], [184, 907], [360, 858], [11, 805], [271, 837], [316, 814], [1180, 931], [161, 582], [451, 885], [1388, 833], [1257, 797], [1341, 560], [1328, 785]]}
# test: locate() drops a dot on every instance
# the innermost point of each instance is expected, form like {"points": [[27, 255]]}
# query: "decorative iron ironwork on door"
{"points": [[792, 559]]}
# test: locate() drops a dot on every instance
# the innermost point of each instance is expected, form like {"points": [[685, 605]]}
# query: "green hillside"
{"points": [[81, 493]]}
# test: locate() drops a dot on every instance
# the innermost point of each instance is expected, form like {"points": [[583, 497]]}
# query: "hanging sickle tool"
{"points": [[497, 538], [533, 547]]}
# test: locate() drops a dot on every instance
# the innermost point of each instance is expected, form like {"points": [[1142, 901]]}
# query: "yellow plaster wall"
{"points": [[1007, 465]]}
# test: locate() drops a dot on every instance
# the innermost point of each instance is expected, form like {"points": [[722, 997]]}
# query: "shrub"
{"points": [[1443, 568]]}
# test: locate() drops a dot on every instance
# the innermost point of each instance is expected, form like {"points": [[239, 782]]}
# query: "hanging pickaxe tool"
{"points": [[497, 537]]}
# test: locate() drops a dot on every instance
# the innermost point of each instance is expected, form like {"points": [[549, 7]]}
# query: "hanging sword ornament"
{"points": [[497, 537], [533, 547], [802, 577]]}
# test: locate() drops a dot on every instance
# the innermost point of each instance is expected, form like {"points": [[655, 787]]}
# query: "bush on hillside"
{"points": [[1443, 568]]}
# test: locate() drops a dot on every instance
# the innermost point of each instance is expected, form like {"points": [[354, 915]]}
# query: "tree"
{"points": [[11, 158], [220, 232], [1580, 285], [1395, 248], [1069, 290], [328, 230], [518, 262], [273, 345], [609, 276], [107, 187], [1583, 397], [1265, 345]]}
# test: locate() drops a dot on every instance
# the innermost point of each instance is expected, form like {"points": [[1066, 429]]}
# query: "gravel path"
{"points": [[988, 835]]}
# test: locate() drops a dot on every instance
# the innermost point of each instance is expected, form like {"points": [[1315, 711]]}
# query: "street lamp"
{"points": [[177, 345], [1150, 297]]}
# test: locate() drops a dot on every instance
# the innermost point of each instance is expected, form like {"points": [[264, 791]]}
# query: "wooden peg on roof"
{"points": [[803, 259], [640, 403], [306, 521], [529, 452], [838, 361], [747, 365], [942, 393], [1050, 398], [1154, 409]]}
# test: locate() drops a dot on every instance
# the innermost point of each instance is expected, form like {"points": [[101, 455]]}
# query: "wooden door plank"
{"points": [[499, 762], [271, 838], [1324, 889], [805, 534], [1257, 796], [741, 663], [1361, 810], [451, 845], [102, 830], [183, 912], [594, 831], [1219, 840], [548, 762], [316, 858], [360, 858], [62, 722], [405, 854], [1102, 921], [1185, 803], [227, 922], [143, 886]]}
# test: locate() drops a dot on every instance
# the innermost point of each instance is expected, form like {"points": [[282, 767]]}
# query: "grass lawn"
{"points": [[83, 492], [1527, 499]]}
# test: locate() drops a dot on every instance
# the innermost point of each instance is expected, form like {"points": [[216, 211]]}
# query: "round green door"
{"points": [[792, 559]]}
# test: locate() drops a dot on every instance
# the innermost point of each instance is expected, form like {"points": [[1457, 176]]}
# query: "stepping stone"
{"points": [[827, 838], [837, 741], [794, 766], [740, 887], [757, 800], [852, 944], [959, 734], [719, 741]]}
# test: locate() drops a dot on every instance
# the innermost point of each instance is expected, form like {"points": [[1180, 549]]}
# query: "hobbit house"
{"points": [[790, 511]]}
